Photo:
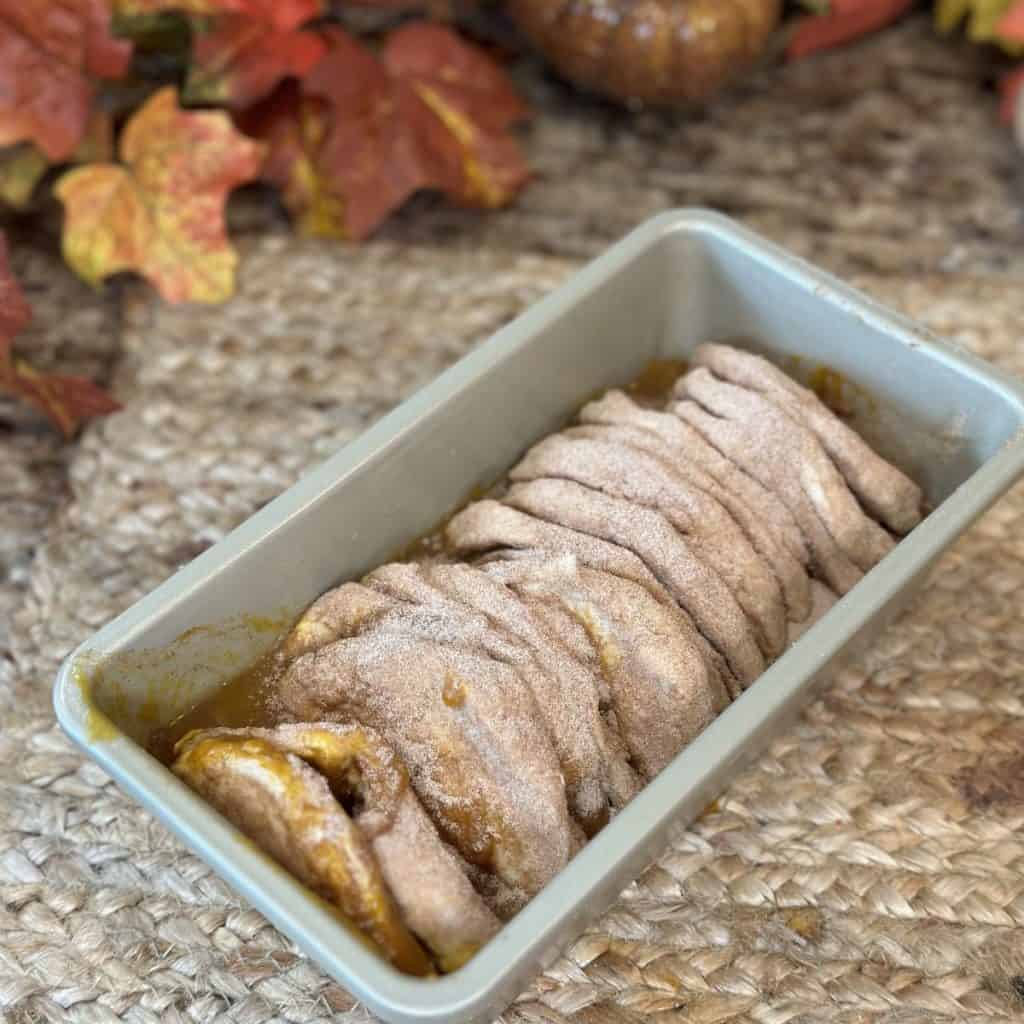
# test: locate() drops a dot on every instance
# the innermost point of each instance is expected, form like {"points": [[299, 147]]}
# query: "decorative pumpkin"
{"points": [[660, 52], [657, 52]]}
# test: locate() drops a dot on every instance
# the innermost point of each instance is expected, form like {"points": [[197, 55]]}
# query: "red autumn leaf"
{"points": [[15, 312], [372, 154], [161, 213], [242, 59], [282, 14], [846, 21], [293, 128], [362, 135], [1010, 87], [51, 51], [67, 401], [434, 57], [474, 102]]}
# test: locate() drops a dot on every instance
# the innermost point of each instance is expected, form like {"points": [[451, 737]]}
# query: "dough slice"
{"points": [[487, 526], [458, 604], [696, 588], [573, 698], [688, 451], [469, 731], [883, 490], [621, 471], [664, 688], [769, 539], [350, 766], [287, 808], [787, 452], [340, 612]]}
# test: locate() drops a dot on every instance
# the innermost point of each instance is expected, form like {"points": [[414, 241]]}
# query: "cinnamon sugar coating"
{"points": [[461, 606], [691, 454], [426, 880], [487, 526], [643, 479], [767, 523], [664, 689], [472, 737], [886, 493], [788, 453], [478, 712], [670, 557]]}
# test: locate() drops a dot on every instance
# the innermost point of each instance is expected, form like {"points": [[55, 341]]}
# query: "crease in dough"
{"points": [[785, 444], [695, 587], [635, 476], [757, 519], [470, 734], [664, 688], [887, 493]]}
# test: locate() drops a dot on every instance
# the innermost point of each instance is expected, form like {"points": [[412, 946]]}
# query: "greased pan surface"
{"points": [[688, 276]]}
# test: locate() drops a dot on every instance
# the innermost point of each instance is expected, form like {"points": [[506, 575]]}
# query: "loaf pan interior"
{"points": [[662, 291], [682, 278]]}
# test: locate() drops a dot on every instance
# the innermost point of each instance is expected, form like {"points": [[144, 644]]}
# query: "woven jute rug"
{"points": [[869, 868]]}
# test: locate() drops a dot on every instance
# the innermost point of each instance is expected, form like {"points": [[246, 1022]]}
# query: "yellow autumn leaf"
{"points": [[161, 212], [982, 20]]}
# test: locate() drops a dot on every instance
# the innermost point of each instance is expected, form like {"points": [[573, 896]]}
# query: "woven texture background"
{"points": [[870, 868]]}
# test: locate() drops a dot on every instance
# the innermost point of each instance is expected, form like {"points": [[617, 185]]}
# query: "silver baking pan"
{"points": [[951, 421]]}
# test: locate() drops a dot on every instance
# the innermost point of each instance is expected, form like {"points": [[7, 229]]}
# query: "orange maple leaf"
{"points": [[294, 127], [50, 55], [362, 135], [474, 102], [67, 401], [163, 214], [240, 59], [371, 154], [845, 21]]}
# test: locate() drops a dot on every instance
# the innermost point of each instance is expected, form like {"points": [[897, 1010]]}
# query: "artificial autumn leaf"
{"points": [[241, 59], [984, 19], [1010, 87], [282, 14], [294, 127], [982, 16], [21, 168], [163, 214], [15, 312], [67, 401], [475, 103], [434, 114], [372, 155], [1011, 24], [51, 52], [845, 21]]}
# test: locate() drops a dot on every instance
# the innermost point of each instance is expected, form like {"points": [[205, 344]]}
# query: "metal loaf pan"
{"points": [[681, 278]]}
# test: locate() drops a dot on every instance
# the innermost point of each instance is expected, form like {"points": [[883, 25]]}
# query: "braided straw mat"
{"points": [[870, 868]]}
